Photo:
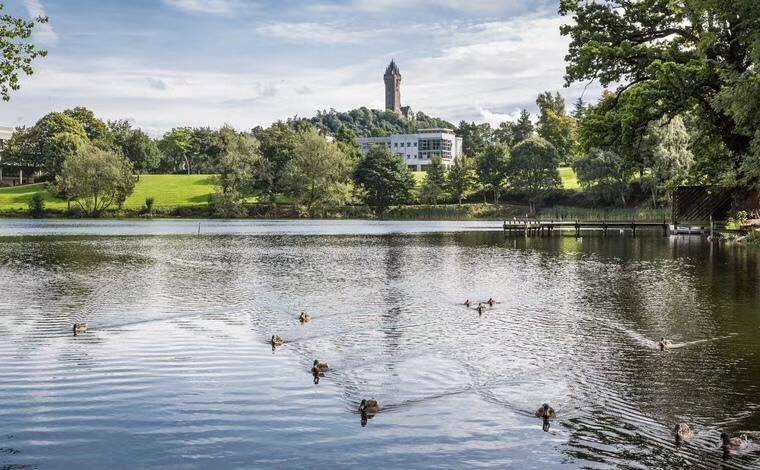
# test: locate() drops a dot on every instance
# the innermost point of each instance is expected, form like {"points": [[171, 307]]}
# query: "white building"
{"points": [[418, 149]]}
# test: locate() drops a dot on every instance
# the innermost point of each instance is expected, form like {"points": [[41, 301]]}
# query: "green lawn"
{"points": [[167, 190], [569, 179]]}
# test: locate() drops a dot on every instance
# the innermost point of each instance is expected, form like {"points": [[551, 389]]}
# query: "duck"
{"points": [[491, 301], [79, 328], [319, 367], [683, 433], [277, 341], [369, 407], [664, 344], [546, 412], [733, 443], [304, 317], [480, 308], [467, 303]]}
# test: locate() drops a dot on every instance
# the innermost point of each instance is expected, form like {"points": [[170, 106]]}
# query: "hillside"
{"points": [[367, 122]]}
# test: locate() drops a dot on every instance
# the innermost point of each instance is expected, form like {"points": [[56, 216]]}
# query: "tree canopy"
{"points": [[385, 179], [18, 51], [668, 58]]}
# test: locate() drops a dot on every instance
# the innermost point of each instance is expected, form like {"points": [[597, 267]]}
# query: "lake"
{"points": [[176, 370]]}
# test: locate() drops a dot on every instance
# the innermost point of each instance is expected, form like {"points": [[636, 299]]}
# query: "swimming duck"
{"points": [[467, 303], [369, 407], [664, 344], [79, 328], [304, 317], [683, 433], [480, 308], [491, 301], [546, 412], [319, 367], [733, 443], [277, 341]]}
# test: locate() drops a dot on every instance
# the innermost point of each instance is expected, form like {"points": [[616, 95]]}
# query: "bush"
{"points": [[37, 206], [149, 201], [227, 205]]}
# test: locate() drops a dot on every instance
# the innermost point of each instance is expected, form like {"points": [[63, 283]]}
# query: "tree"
{"points": [[277, 145], [512, 133], [435, 181], [460, 178], [385, 179], [137, 146], [51, 150], [237, 168], [319, 171], [475, 137], [97, 131], [175, 147], [556, 126], [670, 58], [604, 173], [492, 165], [96, 179], [666, 144], [238, 162], [533, 169], [18, 51], [523, 128]]}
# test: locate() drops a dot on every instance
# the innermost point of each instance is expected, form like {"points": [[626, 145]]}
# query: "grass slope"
{"points": [[168, 191], [569, 178]]}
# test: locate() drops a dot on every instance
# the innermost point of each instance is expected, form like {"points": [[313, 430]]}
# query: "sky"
{"points": [[171, 63]]}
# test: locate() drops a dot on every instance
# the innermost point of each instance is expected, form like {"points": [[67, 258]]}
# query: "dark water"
{"points": [[176, 371]]}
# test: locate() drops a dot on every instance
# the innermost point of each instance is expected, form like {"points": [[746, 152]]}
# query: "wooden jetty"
{"points": [[536, 227]]}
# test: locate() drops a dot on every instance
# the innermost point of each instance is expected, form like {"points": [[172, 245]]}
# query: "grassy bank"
{"points": [[169, 191], [188, 195]]}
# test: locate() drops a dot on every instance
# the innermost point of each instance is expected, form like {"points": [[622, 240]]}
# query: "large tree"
{"points": [[433, 188], [460, 178], [385, 179], [512, 133], [18, 51], [237, 167], [96, 179], [492, 166], [277, 145], [136, 145], [176, 148], [475, 137], [319, 173], [671, 57], [533, 169]]}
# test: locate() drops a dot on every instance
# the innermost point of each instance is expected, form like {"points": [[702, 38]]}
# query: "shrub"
{"points": [[149, 201], [37, 206]]}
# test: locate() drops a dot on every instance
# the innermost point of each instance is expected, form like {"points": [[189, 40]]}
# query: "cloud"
{"points": [[44, 32], [312, 32], [156, 83], [479, 7], [214, 7]]}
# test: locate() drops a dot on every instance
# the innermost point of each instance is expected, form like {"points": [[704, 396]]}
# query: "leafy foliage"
{"points": [[18, 51], [365, 122], [385, 179], [460, 178], [686, 57], [319, 172], [96, 179], [533, 169], [433, 189], [492, 166]]}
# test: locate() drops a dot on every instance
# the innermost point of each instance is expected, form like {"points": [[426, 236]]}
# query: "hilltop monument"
{"points": [[392, 80]]}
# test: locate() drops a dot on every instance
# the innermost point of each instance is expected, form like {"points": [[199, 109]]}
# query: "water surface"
{"points": [[176, 371]]}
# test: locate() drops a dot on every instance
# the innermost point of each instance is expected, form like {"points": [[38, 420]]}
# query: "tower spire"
{"points": [[392, 80]]}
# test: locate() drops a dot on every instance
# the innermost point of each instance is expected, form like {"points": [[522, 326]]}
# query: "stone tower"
{"points": [[392, 79]]}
